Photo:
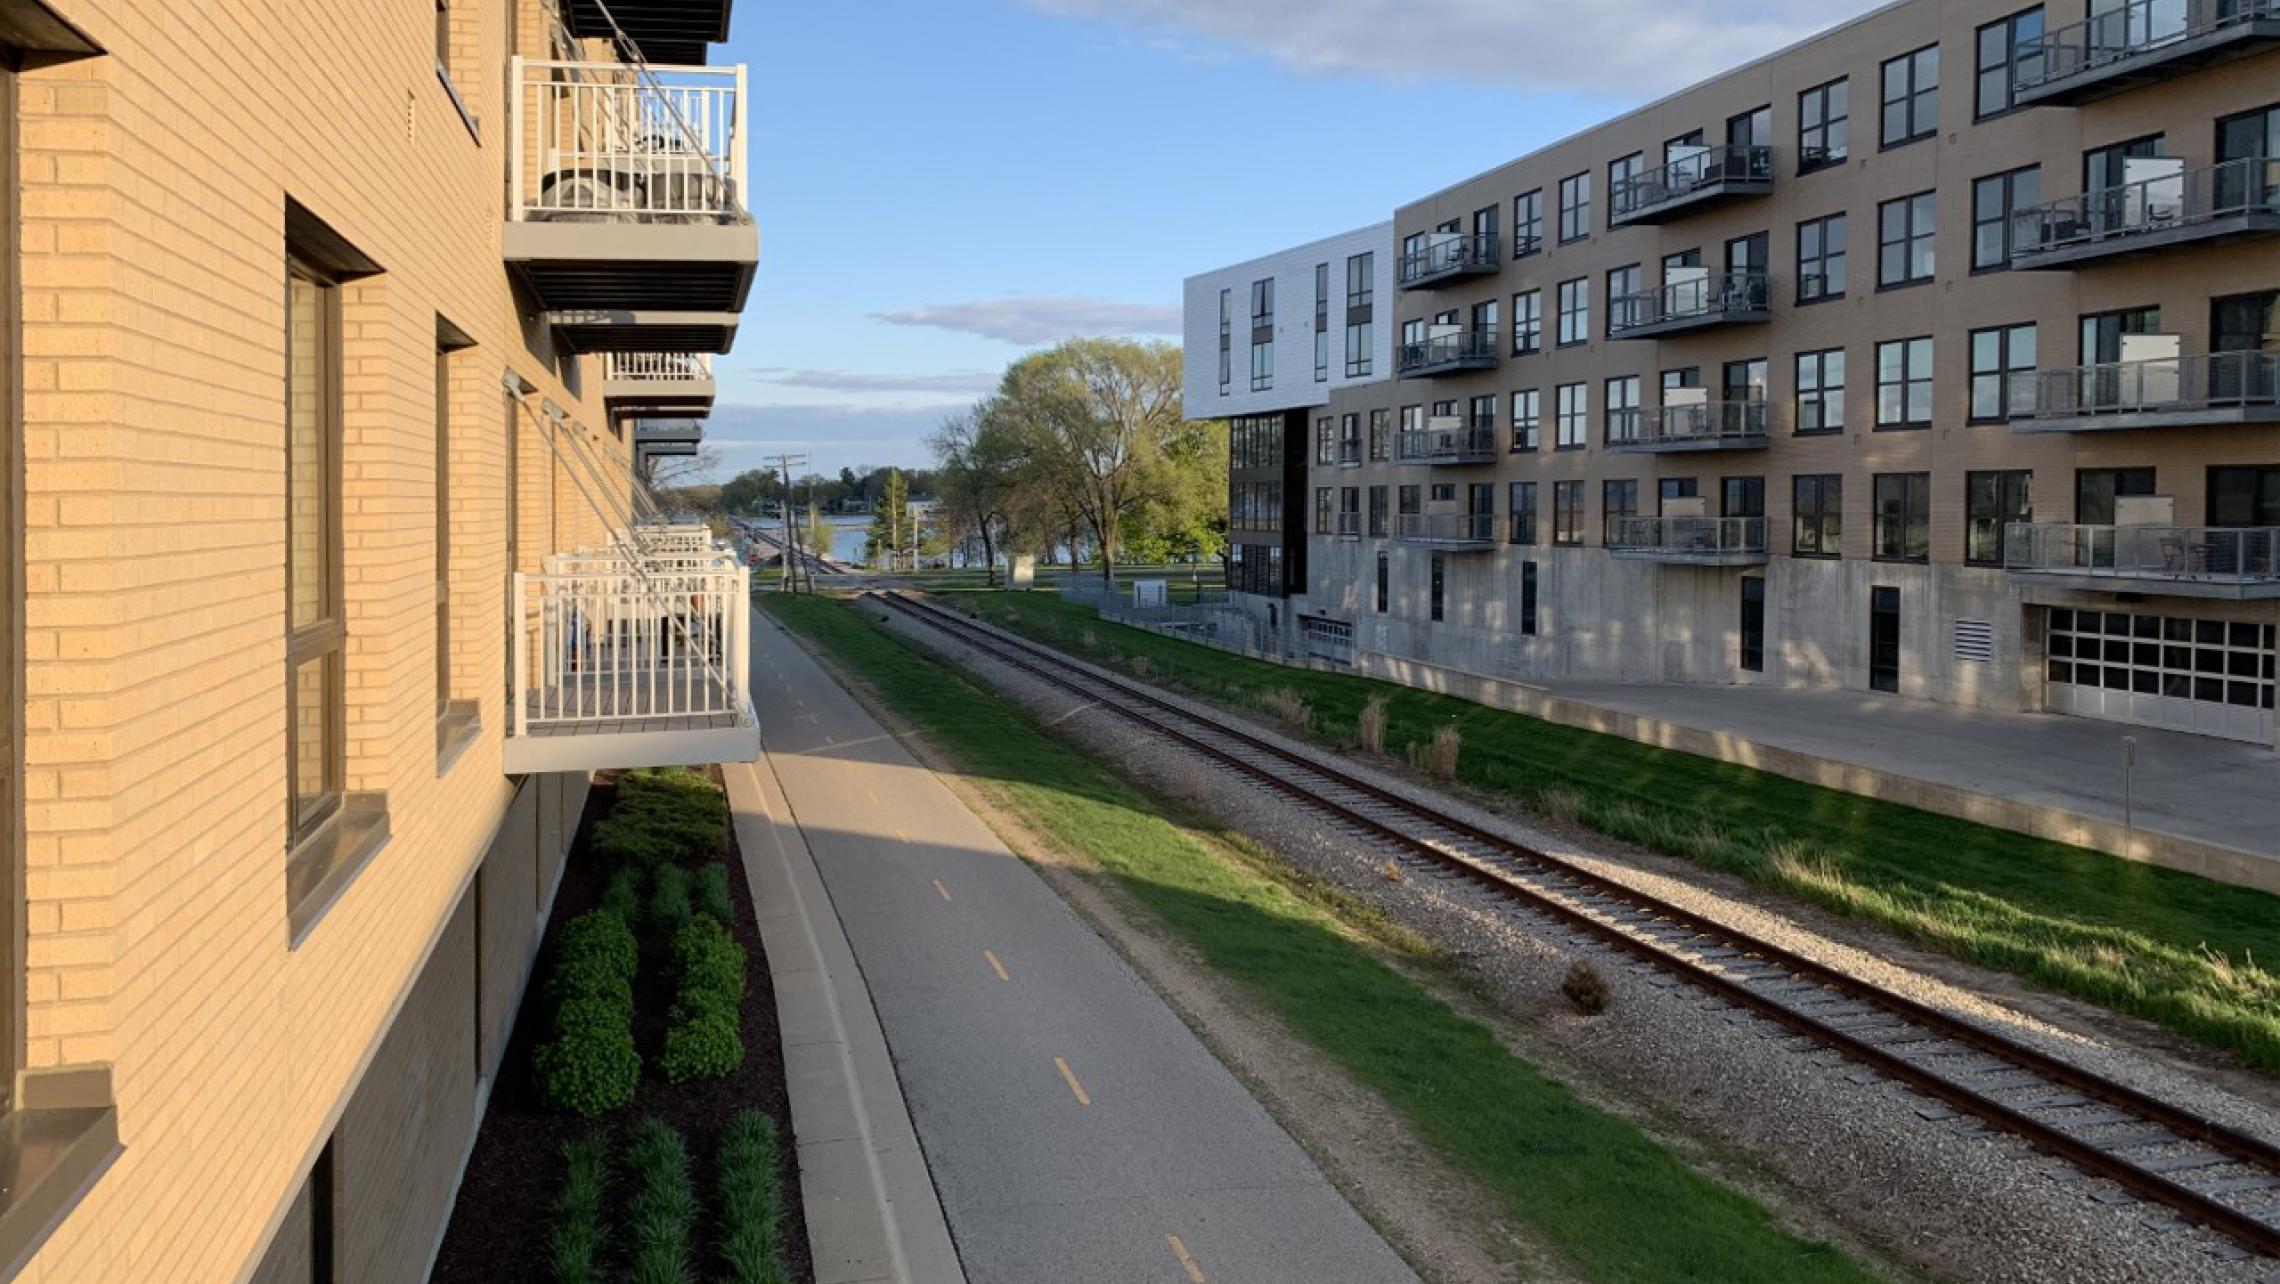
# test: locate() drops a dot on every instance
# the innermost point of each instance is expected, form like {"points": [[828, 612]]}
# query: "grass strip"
{"points": [[1593, 1186], [663, 1206], [2157, 943], [751, 1202], [574, 1244]]}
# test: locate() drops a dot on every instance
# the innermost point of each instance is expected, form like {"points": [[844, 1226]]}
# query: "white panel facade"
{"points": [[1294, 382]]}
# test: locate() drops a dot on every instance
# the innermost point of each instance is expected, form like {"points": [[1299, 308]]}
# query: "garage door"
{"points": [[2210, 677]]}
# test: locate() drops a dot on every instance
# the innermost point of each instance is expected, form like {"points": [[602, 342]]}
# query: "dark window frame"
{"points": [[1825, 513], [1907, 382], [1575, 207], [2003, 514], [1914, 92], [1835, 157], [2015, 31], [1527, 223], [1567, 504], [1911, 236], [2006, 366], [1820, 427], [2006, 220], [1823, 256], [1914, 537]]}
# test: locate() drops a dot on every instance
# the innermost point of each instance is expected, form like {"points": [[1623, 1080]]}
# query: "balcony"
{"points": [[1690, 541], [2229, 202], [2139, 43], [666, 31], [1695, 303], [1349, 452], [1456, 532], [1704, 425], [1349, 525], [2232, 563], [2208, 391], [658, 383], [626, 204], [635, 656], [1711, 176], [1446, 353], [1460, 443], [1450, 256]]}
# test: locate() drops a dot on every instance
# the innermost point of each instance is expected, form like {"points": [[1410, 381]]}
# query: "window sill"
{"points": [[55, 1146], [1923, 426], [459, 726], [327, 861], [1838, 297], [1898, 143], [1837, 431], [1834, 162], [1894, 287]]}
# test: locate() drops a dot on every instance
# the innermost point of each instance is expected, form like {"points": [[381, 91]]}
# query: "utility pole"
{"points": [[791, 545]]}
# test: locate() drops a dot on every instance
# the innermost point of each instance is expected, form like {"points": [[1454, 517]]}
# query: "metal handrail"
{"points": [[1446, 443], [2250, 185], [1725, 163], [660, 367], [1710, 421], [1439, 349], [625, 140], [1349, 451], [1448, 528], [602, 647], [1719, 294], [1697, 535], [2162, 385], [1349, 523], [2216, 554], [2123, 32], [1458, 253]]}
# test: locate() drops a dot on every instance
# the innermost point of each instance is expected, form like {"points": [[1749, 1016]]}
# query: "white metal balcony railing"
{"points": [[2218, 556], [627, 142], [2116, 219], [657, 367], [2181, 386], [1456, 529], [2126, 31], [1710, 540]]}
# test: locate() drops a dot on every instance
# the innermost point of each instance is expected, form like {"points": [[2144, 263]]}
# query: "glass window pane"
{"points": [[309, 498]]}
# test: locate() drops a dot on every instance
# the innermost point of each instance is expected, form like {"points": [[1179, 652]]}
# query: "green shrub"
{"points": [[751, 1201], [663, 1206], [701, 1044], [696, 1001], [713, 896], [669, 898], [622, 896], [706, 957], [575, 1239], [663, 815], [597, 943], [588, 1068]]}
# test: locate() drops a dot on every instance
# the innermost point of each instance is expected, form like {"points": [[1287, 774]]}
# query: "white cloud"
{"points": [[949, 383], [1041, 319], [1625, 48]]}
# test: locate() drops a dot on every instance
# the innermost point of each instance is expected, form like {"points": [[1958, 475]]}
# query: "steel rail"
{"points": [[2242, 1147]]}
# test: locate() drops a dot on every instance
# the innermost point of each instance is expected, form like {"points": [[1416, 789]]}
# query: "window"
{"points": [[2103, 333], [2244, 496], [1440, 572], [1753, 624], [1377, 512], [1350, 438], [1618, 501], [1620, 175], [1263, 335], [2001, 359], [1821, 391], [1350, 510], [1483, 412], [1912, 96], [1406, 498], [1575, 311], [1567, 513], [1823, 122], [1671, 489], [316, 732], [1527, 222], [1903, 517], [1527, 599], [1622, 284], [1226, 339], [1522, 496], [1484, 322], [1527, 322], [455, 717], [1382, 578], [1575, 207], [1380, 428], [1817, 515], [2108, 166], [1821, 258], [1326, 440], [1904, 238], [1444, 492], [1574, 412], [1323, 521], [1991, 502], [1750, 128], [1904, 384], [1741, 497], [1321, 323], [1527, 416], [2096, 489], [1996, 203], [1361, 292], [1622, 409], [1998, 43]]}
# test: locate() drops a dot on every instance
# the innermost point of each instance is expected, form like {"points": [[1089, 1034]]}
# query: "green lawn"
{"points": [[1592, 1186], [2176, 948]]}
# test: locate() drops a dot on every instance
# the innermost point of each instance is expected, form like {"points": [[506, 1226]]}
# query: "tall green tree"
{"points": [[891, 535], [980, 469]]}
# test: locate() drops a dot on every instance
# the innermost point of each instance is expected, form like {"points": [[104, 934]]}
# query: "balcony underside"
{"points": [[2088, 580], [1440, 276], [1691, 556], [1701, 198], [1453, 544], [2129, 245], [2153, 65], [1690, 324], [1452, 365], [667, 435], [612, 265], [2199, 417], [641, 330], [1681, 445], [689, 741], [659, 396], [668, 31], [664, 449], [1447, 461]]}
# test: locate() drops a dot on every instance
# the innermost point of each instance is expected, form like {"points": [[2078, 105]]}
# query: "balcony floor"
{"points": [[1688, 325], [2130, 245], [1690, 557], [1455, 366], [624, 722], [2155, 64], [1701, 198], [2205, 417], [1681, 445], [595, 263], [2087, 580]]}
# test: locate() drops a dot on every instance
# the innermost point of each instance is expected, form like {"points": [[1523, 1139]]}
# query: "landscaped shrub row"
{"points": [[591, 1065], [663, 815], [751, 1201], [663, 1208], [701, 1038], [575, 1244]]}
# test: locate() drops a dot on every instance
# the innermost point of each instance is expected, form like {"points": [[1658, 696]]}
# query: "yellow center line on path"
{"points": [[1074, 1086], [940, 888], [996, 966], [1187, 1263]]}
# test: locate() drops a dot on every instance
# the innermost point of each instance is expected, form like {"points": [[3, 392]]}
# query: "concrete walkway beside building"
{"points": [[1075, 1128]]}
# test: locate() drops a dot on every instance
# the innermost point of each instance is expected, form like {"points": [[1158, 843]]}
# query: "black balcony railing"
{"points": [[1704, 425], [2131, 41], [1349, 524], [1349, 452], [1730, 170], [1470, 443], [2180, 391], [1450, 255], [1691, 304], [1465, 350], [2240, 197]]}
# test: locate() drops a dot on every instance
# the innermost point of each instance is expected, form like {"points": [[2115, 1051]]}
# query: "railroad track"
{"points": [[2203, 1171]]}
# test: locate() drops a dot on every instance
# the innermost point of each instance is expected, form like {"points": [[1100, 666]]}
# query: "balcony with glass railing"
{"points": [[1695, 303], [2234, 201], [2138, 43], [1689, 541], [1349, 524], [1461, 443], [1710, 425], [1471, 532], [1691, 182], [1450, 256], [626, 204], [658, 383], [2208, 390], [2236, 563], [1473, 349]]}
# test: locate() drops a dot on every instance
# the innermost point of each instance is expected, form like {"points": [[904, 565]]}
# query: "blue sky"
{"points": [[943, 185]]}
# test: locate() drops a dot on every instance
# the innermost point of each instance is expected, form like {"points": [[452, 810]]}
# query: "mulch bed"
{"points": [[499, 1225]]}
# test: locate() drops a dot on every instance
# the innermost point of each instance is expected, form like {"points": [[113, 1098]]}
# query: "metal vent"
{"points": [[1975, 640]]}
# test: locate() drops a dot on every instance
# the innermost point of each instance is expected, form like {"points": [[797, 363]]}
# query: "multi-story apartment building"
{"points": [[327, 329], [1267, 343], [1937, 354]]}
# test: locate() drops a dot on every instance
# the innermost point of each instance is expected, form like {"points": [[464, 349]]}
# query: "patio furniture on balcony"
{"points": [[1690, 304], [2234, 201]]}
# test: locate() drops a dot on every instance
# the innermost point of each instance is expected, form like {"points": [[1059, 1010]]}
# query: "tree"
{"points": [[671, 472], [818, 534], [891, 534], [979, 468]]}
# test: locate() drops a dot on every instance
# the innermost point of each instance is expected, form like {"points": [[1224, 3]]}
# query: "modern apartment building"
{"points": [[328, 332], [1936, 354], [1267, 343]]}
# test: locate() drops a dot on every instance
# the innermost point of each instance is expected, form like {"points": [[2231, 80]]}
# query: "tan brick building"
{"points": [[322, 321]]}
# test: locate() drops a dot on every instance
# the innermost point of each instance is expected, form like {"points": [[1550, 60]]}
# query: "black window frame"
{"points": [[1925, 203], [1520, 498], [2001, 487], [1914, 535], [1822, 256], [1527, 223], [2005, 221], [1820, 390], [1751, 622], [1575, 208], [1527, 429], [1529, 339], [2012, 27], [1913, 94], [1817, 499], [1841, 120], [1528, 599], [2000, 375], [1567, 507], [1907, 382], [1580, 313]]}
